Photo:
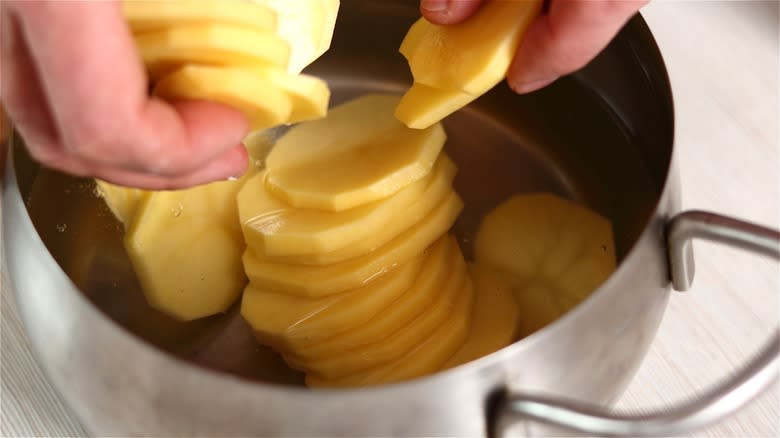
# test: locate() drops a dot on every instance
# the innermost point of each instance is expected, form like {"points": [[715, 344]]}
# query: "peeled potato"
{"points": [[146, 15], [318, 237], [307, 25], [186, 247], [553, 252], [122, 201], [292, 322], [472, 56], [423, 105], [264, 105], [168, 49], [358, 153], [454, 64], [495, 317], [427, 357], [440, 263], [318, 281], [309, 95], [400, 341]]}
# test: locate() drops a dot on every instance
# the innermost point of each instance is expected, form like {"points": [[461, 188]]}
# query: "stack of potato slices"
{"points": [[354, 278], [247, 55]]}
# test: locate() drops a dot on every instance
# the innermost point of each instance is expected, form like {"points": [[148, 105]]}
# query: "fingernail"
{"points": [[434, 5], [521, 87]]}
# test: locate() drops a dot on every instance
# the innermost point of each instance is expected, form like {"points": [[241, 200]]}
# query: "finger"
{"points": [[88, 61], [21, 91], [566, 39], [449, 11], [213, 171]]}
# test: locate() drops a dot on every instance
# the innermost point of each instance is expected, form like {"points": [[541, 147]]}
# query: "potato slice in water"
{"points": [[122, 201], [289, 322], [307, 25], [495, 317], [358, 153], [263, 104], [146, 15], [427, 357], [318, 281], [168, 49], [553, 252], [186, 248], [423, 105], [472, 56], [341, 362], [317, 237], [439, 262]]}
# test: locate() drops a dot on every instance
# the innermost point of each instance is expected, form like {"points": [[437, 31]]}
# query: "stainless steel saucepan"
{"points": [[603, 137]]}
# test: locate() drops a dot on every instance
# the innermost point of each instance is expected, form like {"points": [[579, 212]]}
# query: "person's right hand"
{"points": [[74, 86], [562, 40]]}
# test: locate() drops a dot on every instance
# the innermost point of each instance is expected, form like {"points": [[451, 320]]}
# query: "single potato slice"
{"points": [[472, 56], [307, 25], [553, 252], [358, 153], [344, 362], [317, 237], [148, 15], [318, 281], [495, 317], [186, 248], [423, 106], [427, 357], [309, 95], [169, 49], [287, 322], [263, 104], [122, 201]]}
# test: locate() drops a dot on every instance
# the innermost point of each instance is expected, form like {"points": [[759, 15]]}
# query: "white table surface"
{"points": [[723, 59]]}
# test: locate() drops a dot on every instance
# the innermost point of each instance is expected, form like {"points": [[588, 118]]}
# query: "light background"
{"points": [[723, 61]]}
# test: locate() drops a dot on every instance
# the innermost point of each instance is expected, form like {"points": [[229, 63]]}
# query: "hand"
{"points": [[74, 86], [557, 43]]}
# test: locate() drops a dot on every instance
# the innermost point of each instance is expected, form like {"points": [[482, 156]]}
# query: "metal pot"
{"points": [[603, 136]]}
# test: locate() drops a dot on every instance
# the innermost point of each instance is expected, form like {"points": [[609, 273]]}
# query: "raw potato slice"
{"points": [[554, 253], [307, 25], [283, 234], [264, 105], [122, 201], [495, 317], [399, 341], [423, 105], [146, 15], [186, 248], [439, 261], [357, 154], [318, 281], [309, 95], [168, 49], [426, 358], [472, 56], [288, 321]]}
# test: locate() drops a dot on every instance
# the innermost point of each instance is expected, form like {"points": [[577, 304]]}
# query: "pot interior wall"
{"points": [[602, 137]]}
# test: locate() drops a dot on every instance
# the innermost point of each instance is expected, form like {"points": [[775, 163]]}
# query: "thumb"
{"points": [[449, 11], [566, 39]]}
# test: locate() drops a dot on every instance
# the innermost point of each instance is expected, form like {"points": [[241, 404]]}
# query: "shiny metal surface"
{"points": [[711, 407], [603, 137]]}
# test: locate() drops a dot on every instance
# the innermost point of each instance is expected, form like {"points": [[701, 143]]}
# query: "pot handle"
{"points": [[719, 402]]}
